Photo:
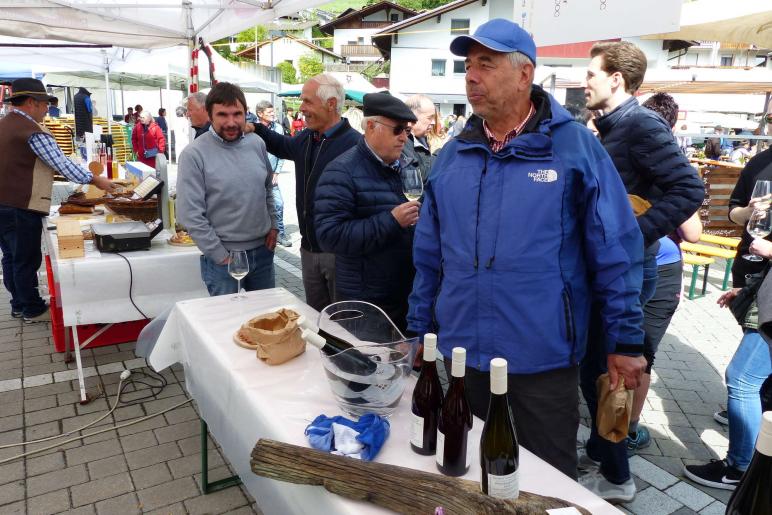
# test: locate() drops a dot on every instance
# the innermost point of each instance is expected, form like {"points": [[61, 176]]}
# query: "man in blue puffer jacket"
{"points": [[524, 220], [362, 215]]}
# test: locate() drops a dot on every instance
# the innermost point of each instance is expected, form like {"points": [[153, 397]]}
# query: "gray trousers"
{"points": [[318, 278]]}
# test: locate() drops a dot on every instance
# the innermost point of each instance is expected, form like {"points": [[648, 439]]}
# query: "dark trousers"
{"points": [[660, 309], [545, 407], [20, 234]]}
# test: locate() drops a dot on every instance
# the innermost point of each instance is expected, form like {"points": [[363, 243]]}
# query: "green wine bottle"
{"points": [[427, 401], [499, 453], [455, 422], [753, 496]]}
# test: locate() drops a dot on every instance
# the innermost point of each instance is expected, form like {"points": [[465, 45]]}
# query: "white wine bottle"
{"points": [[753, 496], [455, 422], [499, 453], [427, 401]]}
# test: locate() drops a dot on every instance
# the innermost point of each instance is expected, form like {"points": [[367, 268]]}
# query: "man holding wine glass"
{"points": [[364, 213], [225, 200]]}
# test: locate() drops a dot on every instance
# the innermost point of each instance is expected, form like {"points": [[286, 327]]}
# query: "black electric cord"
{"points": [[131, 286], [153, 381]]}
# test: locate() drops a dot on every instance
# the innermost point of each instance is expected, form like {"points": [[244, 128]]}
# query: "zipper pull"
{"points": [[475, 262], [490, 263]]}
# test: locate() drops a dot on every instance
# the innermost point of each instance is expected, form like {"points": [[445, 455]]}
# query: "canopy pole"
{"points": [[107, 93], [168, 98]]}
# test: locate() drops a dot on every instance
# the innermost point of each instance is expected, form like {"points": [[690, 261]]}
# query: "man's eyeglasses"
{"points": [[397, 129]]}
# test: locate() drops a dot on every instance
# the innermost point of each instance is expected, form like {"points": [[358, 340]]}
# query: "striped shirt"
{"points": [[44, 146], [497, 145]]}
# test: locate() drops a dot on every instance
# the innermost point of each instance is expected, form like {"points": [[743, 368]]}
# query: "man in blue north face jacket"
{"points": [[524, 220]]}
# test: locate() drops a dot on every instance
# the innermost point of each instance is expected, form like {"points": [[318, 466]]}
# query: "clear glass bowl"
{"points": [[371, 376]]}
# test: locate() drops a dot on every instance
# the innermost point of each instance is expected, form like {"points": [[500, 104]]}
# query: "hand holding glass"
{"points": [[238, 268], [762, 194], [412, 185], [759, 226]]}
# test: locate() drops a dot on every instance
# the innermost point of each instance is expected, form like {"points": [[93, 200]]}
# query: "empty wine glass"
{"points": [[762, 190], [759, 226], [238, 267], [412, 184]]}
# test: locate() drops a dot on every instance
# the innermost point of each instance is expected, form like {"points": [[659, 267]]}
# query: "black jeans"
{"points": [[545, 407], [20, 234], [660, 309]]}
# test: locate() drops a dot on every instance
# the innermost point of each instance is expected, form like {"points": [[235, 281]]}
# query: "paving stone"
{"points": [[173, 509], [178, 431], [150, 476], [47, 369], [93, 452], [11, 492], [182, 414], [11, 471], [95, 406], [159, 405], [152, 455], [152, 423], [124, 504], [651, 473], [684, 511], [717, 508], [42, 359], [192, 445], [189, 465], [106, 349], [168, 493], [101, 489], [37, 465], [652, 501], [36, 380], [107, 467], [51, 481], [17, 508], [218, 502], [679, 450], [128, 412], [42, 391], [110, 368], [52, 502], [7, 385], [40, 403], [12, 364], [10, 423], [11, 408], [689, 496], [77, 422]]}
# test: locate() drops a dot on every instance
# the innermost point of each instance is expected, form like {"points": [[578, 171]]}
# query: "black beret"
{"points": [[383, 104]]}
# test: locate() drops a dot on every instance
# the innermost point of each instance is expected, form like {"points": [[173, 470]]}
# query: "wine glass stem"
{"points": [[238, 290]]}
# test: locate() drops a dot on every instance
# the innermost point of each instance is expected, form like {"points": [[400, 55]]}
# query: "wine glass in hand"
{"points": [[759, 226], [238, 268], [412, 185], [762, 194]]}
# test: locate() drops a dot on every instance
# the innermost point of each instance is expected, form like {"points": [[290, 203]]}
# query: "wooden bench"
{"points": [[723, 241], [696, 262], [714, 252]]}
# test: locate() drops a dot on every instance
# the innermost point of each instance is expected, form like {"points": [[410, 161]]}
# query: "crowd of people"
{"points": [[536, 239]]}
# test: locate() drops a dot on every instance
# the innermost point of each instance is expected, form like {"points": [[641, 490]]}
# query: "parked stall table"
{"points": [[242, 399]]}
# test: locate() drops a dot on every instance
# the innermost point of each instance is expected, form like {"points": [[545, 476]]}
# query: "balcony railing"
{"points": [[375, 24], [359, 51]]}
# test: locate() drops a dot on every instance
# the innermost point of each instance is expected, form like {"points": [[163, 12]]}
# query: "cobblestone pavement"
{"points": [[155, 466]]}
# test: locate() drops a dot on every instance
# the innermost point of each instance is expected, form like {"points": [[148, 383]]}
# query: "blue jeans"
{"points": [[278, 202], [612, 456], [261, 276], [20, 234], [749, 368]]}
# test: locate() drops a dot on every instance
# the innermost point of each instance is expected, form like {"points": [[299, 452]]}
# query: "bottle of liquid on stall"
{"points": [[455, 422], [499, 453], [427, 401], [753, 496], [109, 167]]}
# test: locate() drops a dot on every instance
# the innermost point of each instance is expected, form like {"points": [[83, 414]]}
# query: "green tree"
{"points": [[310, 65], [288, 72], [320, 38]]}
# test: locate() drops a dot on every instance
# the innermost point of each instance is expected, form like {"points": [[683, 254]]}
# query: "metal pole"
{"points": [[107, 92], [168, 97]]}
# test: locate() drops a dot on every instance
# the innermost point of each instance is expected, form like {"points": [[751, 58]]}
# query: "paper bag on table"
{"points": [[275, 336], [614, 409]]}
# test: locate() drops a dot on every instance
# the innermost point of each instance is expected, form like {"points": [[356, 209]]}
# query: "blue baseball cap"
{"points": [[499, 35]]}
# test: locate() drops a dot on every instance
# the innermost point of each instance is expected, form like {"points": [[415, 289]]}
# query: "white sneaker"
{"points": [[605, 489], [43, 317], [585, 463]]}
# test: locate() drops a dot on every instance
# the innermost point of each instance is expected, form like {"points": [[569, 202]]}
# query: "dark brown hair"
{"points": [[625, 58], [227, 94], [665, 106]]}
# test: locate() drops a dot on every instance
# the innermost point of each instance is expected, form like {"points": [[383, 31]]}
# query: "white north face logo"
{"points": [[544, 176]]}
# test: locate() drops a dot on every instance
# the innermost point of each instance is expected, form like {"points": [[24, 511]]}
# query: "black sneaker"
{"points": [[722, 417], [716, 474], [17, 314]]}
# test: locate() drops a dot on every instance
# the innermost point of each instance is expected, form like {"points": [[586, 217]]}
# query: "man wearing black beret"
{"points": [[364, 218]]}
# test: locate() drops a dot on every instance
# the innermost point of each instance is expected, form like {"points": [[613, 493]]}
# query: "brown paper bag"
{"points": [[614, 409], [275, 336]]}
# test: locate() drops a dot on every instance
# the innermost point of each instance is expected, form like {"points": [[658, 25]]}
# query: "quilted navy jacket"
{"points": [[652, 166], [354, 199]]}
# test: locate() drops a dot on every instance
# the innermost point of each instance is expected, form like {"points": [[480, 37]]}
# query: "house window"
{"points": [[360, 41], [352, 43], [459, 26], [438, 67], [394, 18], [459, 67], [726, 60]]}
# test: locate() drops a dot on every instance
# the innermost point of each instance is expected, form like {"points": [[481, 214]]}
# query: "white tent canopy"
{"points": [[139, 23]]}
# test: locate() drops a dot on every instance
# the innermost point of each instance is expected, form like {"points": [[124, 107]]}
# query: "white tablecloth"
{"points": [[95, 288], [243, 400]]}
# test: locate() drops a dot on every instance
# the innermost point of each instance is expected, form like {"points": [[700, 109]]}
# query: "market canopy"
{"points": [[139, 23], [356, 96], [739, 21]]}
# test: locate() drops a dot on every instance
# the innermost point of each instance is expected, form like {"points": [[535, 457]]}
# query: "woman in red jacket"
{"points": [[147, 139]]}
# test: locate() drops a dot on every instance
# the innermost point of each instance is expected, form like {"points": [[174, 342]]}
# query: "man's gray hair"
{"points": [[366, 119], [263, 105], [416, 102], [518, 59], [199, 98], [330, 87]]}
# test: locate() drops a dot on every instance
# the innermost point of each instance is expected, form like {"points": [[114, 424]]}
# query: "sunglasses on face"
{"points": [[397, 129]]}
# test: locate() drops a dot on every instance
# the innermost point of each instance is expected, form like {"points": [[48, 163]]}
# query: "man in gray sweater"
{"points": [[224, 195]]}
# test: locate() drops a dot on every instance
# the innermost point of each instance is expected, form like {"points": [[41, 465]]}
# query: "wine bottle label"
{"points": [[417, 435], [504, 487], [440, 448]]}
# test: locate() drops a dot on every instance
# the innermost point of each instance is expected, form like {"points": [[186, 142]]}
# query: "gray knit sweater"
{"points": [[224, 195]]}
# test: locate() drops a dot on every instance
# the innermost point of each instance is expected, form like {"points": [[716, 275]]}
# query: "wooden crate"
{"points": [[70, 239], [720, 179]]}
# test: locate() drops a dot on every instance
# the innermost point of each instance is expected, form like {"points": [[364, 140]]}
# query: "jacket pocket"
{"points": [[435, 326], [568, 317]]}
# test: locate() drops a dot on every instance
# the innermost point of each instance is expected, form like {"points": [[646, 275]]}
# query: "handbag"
{"points": [[745, 297], [147, 152]]}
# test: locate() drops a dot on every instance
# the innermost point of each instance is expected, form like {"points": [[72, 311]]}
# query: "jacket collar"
{"points": [[606, 122], [395, 166]]}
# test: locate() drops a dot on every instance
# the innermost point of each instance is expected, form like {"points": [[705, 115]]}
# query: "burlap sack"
{"points": [[614, 409], [275, 336]]}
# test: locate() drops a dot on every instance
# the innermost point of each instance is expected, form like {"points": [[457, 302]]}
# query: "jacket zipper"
{"points": [[308, 182], [477, 221], [569, 319]]}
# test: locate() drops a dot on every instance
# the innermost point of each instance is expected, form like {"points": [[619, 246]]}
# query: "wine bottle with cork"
{"points": [[753, 496], [427, 401], [455, 422]]}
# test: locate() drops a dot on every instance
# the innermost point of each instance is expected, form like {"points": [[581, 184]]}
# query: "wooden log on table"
{"points": [[399, 489]]}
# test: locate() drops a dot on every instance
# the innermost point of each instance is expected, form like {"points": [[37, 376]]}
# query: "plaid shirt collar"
{"points": [[497, 145], [25, 115]]}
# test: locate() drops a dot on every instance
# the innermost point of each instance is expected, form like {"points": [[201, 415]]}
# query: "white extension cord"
{"points": [[124, 375]]}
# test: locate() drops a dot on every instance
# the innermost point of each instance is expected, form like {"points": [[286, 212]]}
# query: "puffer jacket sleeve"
{"points": [[337, 228], [613, 252], [281, 146], [654, 151]]}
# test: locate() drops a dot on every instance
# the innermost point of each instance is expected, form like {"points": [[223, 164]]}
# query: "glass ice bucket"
{"points": [[371, 376]]}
